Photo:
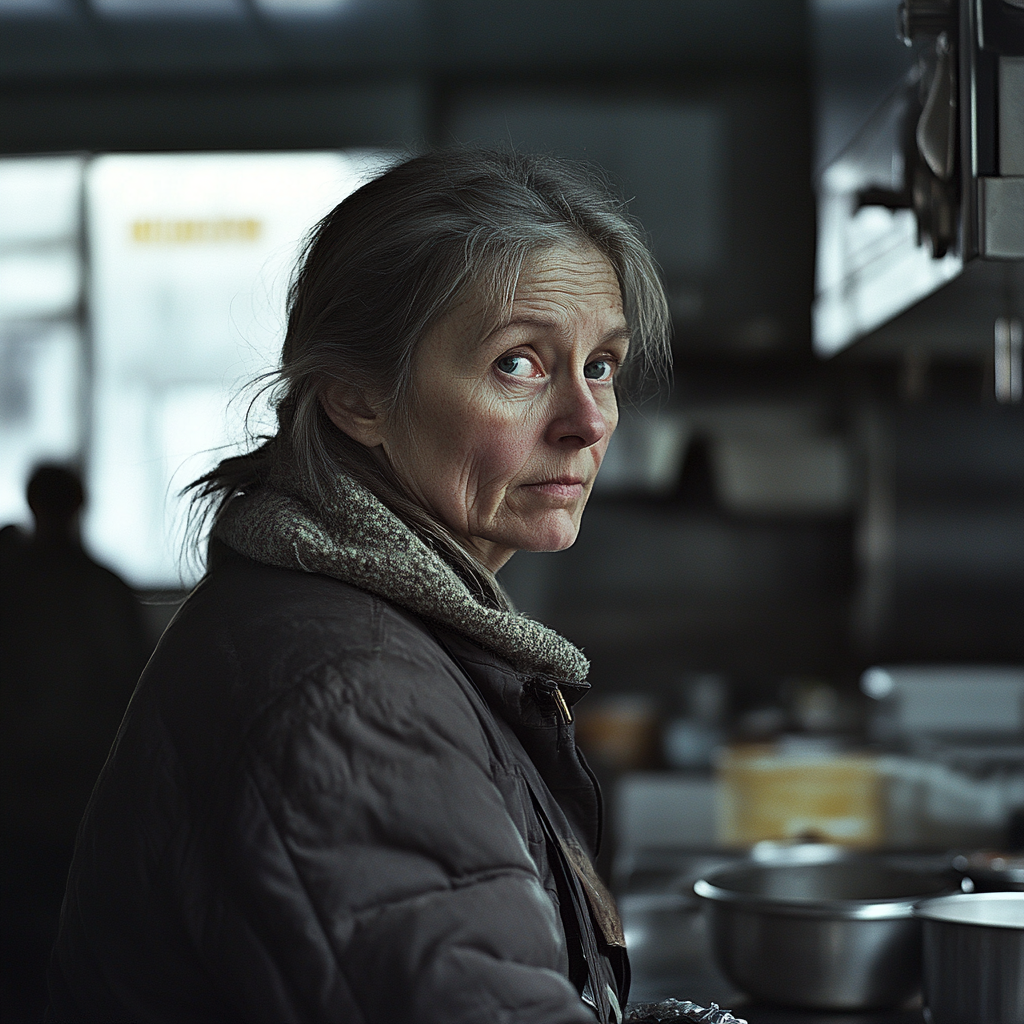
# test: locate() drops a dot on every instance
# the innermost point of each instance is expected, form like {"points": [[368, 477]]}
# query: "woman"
{"points": [[346, 788]]}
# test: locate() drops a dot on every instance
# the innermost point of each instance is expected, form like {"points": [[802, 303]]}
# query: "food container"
{"points": [[974, 958], [791, 791], [836, 936]]}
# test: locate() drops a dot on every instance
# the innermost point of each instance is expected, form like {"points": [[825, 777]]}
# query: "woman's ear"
{"points": [[349, 410]]}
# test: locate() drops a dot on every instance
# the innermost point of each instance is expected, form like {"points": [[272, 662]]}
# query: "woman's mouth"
{"points": [[564, 487]]}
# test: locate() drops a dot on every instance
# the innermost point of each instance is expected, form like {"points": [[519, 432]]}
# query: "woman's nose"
{"points": [[578, 420]]}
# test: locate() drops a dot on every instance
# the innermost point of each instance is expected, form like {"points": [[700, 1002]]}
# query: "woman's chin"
{"points": [[553, 532]]}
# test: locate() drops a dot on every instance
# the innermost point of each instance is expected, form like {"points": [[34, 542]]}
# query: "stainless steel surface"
{"points": [[670, 944], [1001, 217], [1011, 124], [974, 958], [835, 936]]}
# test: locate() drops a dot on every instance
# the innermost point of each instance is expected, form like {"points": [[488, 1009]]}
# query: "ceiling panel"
{"points": [[48, 39]]}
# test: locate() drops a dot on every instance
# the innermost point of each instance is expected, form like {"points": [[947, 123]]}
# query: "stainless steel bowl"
{"points": [[836, 936], [974, 958]]}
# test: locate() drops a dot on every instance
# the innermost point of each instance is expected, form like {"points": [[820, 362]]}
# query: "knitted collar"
{"points": [[355, 538]]}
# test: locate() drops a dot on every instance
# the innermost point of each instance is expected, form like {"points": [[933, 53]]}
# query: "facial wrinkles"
{"points": [[576, 313], [477, 438], [479, 480], [551, 292]]}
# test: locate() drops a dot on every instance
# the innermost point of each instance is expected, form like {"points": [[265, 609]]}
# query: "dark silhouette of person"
{"points": [[72, 646], [12, 540]]}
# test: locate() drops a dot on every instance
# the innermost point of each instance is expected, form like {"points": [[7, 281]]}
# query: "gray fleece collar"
{"points": [[357, 539]]}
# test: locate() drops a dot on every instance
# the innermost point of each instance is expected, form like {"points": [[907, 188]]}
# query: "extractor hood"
{"points": [[921, 214]]}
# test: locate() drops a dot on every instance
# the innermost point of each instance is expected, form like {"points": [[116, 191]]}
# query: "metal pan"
{"points": [[974, 958]]}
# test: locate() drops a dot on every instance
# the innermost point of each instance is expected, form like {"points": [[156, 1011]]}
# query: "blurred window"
{"points": [[191, 257], [144, 380], [41, 321]]}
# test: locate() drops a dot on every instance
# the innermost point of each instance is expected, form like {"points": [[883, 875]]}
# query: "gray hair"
{"points": [[390, 261]]}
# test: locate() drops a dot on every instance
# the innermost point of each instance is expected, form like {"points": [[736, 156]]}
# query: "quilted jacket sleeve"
{"points": [[376, 865]]}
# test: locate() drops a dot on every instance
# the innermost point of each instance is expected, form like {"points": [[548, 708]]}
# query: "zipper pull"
{"points": [[563, 708]]}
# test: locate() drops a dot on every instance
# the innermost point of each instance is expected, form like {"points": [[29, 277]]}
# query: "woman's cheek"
{"points": [[501, 456], [506, 432]]}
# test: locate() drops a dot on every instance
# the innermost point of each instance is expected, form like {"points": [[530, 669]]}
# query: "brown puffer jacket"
{"points": [[322, 808]]}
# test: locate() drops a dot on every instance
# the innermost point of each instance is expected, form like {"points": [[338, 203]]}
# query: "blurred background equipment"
{"points": [[954, 760], [830, 500], [990, 871]]}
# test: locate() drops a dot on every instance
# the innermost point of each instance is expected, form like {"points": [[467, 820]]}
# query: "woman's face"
{"points": [[504, 436]]}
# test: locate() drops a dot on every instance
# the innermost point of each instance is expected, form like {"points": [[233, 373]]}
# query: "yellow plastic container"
{"points": [[767, 792]]}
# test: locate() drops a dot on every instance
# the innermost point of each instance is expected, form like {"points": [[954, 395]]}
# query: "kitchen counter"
{"points": [[669, 947]]}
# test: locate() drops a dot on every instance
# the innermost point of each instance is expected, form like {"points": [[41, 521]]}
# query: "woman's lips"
{"points": [[564, 487]]}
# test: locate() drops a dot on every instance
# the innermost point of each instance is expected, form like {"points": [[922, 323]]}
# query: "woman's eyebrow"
{"points": [[622, 333]]}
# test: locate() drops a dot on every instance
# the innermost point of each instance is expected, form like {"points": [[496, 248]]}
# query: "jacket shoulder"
{"points": [[266, 657], [277, 626]]}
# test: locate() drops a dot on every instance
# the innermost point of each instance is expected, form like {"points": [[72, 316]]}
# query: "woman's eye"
{"points": [[599, 370], [515, 366]]}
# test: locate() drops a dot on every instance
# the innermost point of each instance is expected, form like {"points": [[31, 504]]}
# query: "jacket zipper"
{"points": [[563, 707]]}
